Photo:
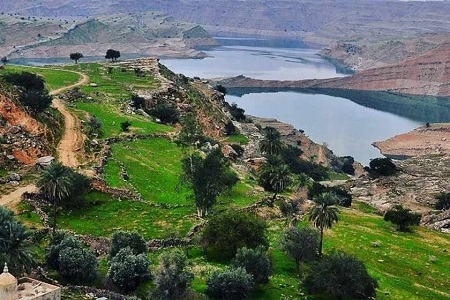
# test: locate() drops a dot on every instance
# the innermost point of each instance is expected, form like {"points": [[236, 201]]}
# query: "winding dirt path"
{"points": [[70, 144], [72, 139]]}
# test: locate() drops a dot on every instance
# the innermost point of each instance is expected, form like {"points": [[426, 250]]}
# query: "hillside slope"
{"points": [[150, 33]]}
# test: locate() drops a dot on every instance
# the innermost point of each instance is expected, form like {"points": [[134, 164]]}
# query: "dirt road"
{"points": [[69, 146], [72, 139]]}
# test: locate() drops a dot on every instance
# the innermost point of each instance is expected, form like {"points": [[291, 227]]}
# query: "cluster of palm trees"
{"points": [[275, 176]]}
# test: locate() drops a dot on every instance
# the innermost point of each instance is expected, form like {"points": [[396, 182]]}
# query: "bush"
{"points": [[77, 265], [27, 81], [291, 155], [171, 279], [382, 166], [230, 129], [340, 276], [221, 88], [36, 100], [125, 126], [402, 217], [61, 240], [301, 245], [443, 201], [255, 262], [137, 102], [238, 148], [167, 114], [127, 271], [226, 232], [123, 239], [231, 284], [237, 113]]}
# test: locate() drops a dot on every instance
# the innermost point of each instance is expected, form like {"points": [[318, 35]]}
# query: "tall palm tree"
{"points": [[56, 183], [14, 244], [274, 175], [271, 144], [324, 213]]}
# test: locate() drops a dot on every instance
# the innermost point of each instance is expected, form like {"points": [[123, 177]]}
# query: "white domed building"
{"points": [[26, 288]]}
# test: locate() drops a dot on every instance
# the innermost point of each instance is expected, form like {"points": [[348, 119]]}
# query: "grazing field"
{"points": [[110, 117], [54, 77]]}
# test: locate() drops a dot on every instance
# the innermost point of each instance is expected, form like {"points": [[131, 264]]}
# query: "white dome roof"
{"points": [[6, 278]]}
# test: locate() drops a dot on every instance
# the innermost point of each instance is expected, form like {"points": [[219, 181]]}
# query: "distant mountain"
{"points": [[150, 33], [316, 21]]}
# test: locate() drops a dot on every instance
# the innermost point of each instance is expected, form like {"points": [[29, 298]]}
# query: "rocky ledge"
{"points": [[425, 140]]}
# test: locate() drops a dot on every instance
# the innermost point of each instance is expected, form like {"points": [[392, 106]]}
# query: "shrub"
{"points": [[402, 217], [167, 114], [230, 129], [61, 240], [301, 245], [127, 271], [255, 262], [36, 100], [443, 201], [26, 80], [237, 112], [171, 279], [238, 148], [122, 239], [77, 265], [291, 155], [137, 102], [221, 88], [226, 232], [230, 284], [382, 166], [125, 126], [340, 276]]}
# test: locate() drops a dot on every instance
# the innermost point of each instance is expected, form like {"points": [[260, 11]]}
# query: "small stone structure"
{"points": [[26, 288]]}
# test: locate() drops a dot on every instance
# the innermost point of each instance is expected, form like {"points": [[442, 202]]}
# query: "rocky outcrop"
{"points": [[22, 137], [414, 186], [425, 140]]}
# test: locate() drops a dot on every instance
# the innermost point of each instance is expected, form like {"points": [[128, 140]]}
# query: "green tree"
{"points": [[127, 270], [55, 183], [60, 240], [4, 60], [15, 247], [26, 80], [209, 177], [271, 144], [255, 261], [341, 276], [324, 213], [132, 239], [37, 100], [302, 245], [231, 230], [274, 175], [171, 278], [402, 217], [76, 56], [77, 265], [112, 54], [191, 131], [443, 201], [232, 284], [382, 166]]}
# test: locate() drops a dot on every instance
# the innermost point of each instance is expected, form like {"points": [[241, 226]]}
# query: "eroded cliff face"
{"points": [[23, 137], [427, 74]]}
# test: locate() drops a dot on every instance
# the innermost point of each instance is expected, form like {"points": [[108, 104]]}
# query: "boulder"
{"points": [[14, 177], [45, 161]]}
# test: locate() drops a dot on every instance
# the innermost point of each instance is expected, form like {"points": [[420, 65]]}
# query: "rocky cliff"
{"points": [[427, 74]]}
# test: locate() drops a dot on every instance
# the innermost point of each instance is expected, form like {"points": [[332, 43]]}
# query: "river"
{"points": [[347, 121]]}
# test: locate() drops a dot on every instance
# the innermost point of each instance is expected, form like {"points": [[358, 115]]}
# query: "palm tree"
{"points": [[14, 244], [55, 183], [274, 175], [324, 213], [271, 144]]}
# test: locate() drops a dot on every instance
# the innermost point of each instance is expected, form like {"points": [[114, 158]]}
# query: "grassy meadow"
{"points": [[409, 266]]}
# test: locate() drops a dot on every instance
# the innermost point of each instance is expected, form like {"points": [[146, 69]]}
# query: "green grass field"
{"points": [[54, 78], [111, 117]]}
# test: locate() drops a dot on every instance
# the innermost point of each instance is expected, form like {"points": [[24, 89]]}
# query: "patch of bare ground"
{"points": [[424, 140]]}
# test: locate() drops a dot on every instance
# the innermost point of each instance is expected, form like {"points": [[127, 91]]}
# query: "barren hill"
{"points": [[149, 33]]}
